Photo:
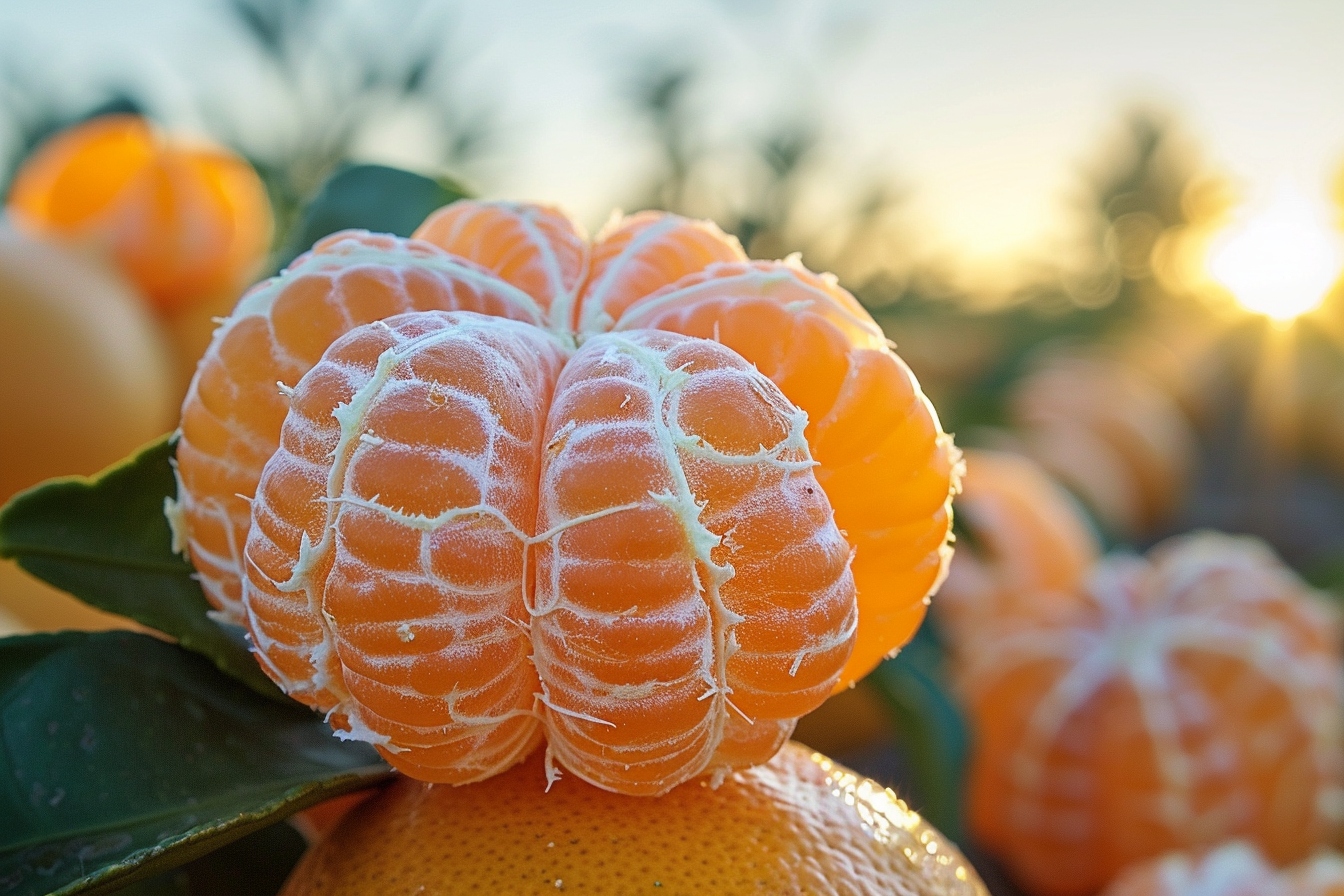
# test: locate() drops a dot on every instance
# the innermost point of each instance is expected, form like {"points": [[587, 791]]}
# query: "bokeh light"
{"points": [[1281, 260]]}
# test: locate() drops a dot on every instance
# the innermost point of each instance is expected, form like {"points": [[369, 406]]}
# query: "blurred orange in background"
{"points": [[1025, 547], [1187, 698], [86, 377], [189, 224], [1233, 869]]}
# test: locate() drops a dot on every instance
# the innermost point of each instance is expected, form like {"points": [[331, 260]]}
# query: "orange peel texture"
{"points": [[460, 525]]}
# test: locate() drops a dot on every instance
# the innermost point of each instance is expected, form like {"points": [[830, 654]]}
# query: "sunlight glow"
{"points": [[1281, 261]]}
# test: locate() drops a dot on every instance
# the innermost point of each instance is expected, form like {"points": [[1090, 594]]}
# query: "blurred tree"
{"points": [[764, 187], [31, 112], [336, 80]]}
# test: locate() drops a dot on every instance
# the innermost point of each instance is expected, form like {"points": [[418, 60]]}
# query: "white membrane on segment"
{"points": [[220, 573], [633, 370]]}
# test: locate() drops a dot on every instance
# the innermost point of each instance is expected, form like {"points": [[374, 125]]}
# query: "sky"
{"points": [[986, 111]]}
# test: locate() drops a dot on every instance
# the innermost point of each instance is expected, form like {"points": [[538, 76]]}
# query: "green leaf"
{"points": [[930, 731], [125, 756], [370, 197], [257, 865], [106, 541]]}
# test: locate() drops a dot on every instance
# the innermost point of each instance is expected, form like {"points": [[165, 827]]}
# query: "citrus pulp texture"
{"points": [[183, 222], [681, 549], [1190, 698], [798, 824], [1030, 548], [1233, 869]]}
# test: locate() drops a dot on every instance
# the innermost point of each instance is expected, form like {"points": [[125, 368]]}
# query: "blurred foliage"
{"points": [[368, 197], [761, 188], [334, 84]]}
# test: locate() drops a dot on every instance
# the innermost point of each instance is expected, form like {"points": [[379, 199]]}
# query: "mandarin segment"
{"points": [[637, 255], [884, 462], [386, 573], [688, 568], [1184, 699], [233, 412], [537, 248]]}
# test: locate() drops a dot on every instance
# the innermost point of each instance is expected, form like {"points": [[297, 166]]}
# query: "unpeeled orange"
{"points": [[798, 824], [480, 527], [1187, 698]]}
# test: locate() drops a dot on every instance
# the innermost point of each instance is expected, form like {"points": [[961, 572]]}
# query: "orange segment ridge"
{"points": [[883, 460]]}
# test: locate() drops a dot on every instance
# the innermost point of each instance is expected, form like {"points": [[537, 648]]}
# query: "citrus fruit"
{"points": [[1109, 433], [799, 824], [1233, 869], [1029, 546], [84, 373], [1191, 697], [654, 580], [184, 222]]}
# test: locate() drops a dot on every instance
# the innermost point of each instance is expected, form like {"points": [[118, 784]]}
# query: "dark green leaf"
{"points": [[370, 197], [106, 541], [930, 731], [125, 756], [256, 865]]}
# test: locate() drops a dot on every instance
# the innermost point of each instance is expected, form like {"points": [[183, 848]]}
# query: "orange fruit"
{"points": [[1233, 869], [1029, 542], [85, 376], [654, 579], [1109, 433], [184, 222], [799, 824], [1189, 698]]}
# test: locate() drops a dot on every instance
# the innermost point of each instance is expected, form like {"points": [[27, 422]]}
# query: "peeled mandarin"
{"points": [[665, 605], [679, 590], [1189, 698]]}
